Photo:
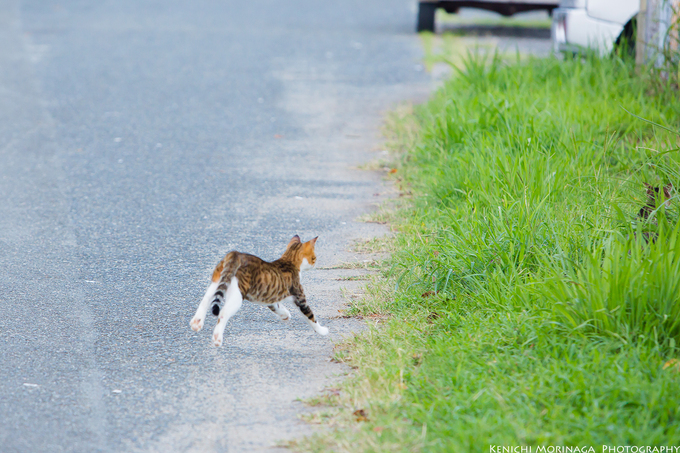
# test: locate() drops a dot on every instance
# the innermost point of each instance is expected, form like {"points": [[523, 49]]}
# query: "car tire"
{"points": [[625, 43], [426, 11]]}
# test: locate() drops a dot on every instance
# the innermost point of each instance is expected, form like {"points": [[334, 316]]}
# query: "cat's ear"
{"points": [[667, 190], [295, 240], [308, 246]]}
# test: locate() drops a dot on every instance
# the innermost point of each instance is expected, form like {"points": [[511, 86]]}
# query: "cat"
{"points": [[651, 207], [652, 195], [240, 276]]}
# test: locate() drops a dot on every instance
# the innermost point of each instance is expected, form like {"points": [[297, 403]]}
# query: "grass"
{"points": [[363, 264], [380, 244], [526, 302], [623, 289], [352, 278]]}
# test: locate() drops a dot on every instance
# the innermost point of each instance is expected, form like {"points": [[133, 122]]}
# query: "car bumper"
{"points": [[574, 31]]}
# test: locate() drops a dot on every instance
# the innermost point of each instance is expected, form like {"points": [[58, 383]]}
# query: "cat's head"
{"points": [[654, 192], [301, 253]]}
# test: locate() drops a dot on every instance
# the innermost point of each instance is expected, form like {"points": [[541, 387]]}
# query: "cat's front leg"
{"points": [[198, 319], [318, 328], [280, 310], [301, 302]]}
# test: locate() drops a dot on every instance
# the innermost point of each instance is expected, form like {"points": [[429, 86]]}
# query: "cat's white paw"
{"points": [[321, 330], [196, 324], [217, 340]]}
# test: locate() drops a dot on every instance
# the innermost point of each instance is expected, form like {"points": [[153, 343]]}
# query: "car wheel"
{"points": [[426, 11], [625, 43]]}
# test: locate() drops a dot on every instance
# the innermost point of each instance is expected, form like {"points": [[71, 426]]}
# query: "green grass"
{"points": [[527, 302], [624, 289]]}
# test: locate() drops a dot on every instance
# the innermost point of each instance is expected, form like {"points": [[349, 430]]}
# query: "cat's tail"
{"points": [[218, 299], [224, 273]]}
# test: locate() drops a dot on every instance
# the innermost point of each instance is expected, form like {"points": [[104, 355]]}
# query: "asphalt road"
{"points": [[139, 142]]}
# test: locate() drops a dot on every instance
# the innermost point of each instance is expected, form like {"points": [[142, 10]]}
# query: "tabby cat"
{"points": [[242, 276], [652, 197]]}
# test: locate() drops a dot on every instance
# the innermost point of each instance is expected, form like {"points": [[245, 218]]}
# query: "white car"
{"points": [[427, 8], [598, 25]]}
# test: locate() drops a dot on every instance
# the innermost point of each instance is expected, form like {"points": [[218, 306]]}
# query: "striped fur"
{"points": [[261, 282]]}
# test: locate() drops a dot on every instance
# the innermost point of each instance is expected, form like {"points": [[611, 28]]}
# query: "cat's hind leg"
{"points": [[280, 310], [232, 302], [198, 319]]}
